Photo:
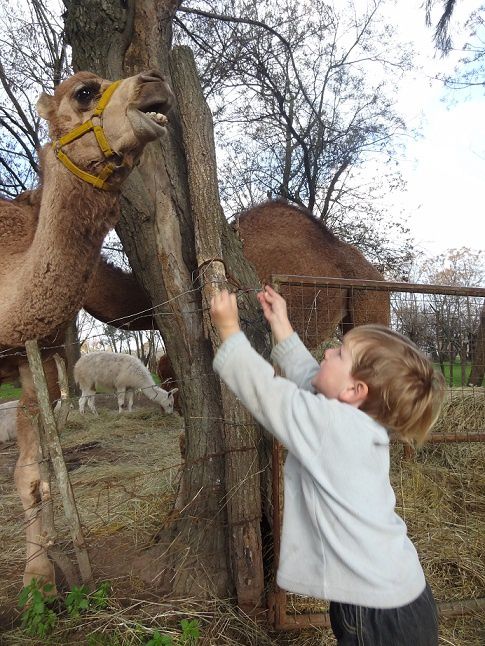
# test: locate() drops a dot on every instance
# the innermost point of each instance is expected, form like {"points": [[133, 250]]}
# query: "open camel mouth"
{"points": [[148, 119]]}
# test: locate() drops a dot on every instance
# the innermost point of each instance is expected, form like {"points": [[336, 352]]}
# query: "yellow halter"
{"points": [[96, 180]]}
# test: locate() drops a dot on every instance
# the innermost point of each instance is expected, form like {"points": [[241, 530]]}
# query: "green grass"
{"points": [[8, 391], [456, 373]]}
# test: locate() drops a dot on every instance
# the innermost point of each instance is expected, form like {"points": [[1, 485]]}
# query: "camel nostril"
{"points": [[152, 75]]}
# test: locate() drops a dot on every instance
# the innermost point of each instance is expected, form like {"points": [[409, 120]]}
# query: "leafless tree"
{"points": [[448, 327], [441, 35], [33, 59], [303, 103]]}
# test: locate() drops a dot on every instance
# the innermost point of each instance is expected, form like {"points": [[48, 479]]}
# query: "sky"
{"points": [[444, 166]]}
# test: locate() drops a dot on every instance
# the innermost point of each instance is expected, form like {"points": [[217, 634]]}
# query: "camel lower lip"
{"points": [[147, 126]]}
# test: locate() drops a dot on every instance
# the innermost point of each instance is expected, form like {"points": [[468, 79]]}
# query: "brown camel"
{"points": [[279, 238], [50, 241]]}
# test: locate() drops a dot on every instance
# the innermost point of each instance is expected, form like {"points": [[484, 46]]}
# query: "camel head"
{"points": [[99, 129]]}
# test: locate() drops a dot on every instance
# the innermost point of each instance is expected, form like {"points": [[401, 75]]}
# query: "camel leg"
{"points": [[367, 306], [27, 474], [325, 310]]}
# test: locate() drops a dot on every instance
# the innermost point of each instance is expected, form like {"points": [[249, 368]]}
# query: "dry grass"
{"points": [[126, 482], [463, 411]]}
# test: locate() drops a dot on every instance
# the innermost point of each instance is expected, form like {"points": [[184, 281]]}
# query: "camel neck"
{"points": [[53, 273]]}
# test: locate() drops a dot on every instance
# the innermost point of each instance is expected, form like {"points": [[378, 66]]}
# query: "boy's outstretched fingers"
{"points": [[266, 294], [270, 292], [274, 310], [224, 313]]}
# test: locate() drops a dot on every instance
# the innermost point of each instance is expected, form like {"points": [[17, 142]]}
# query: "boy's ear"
{"points": [[355, 394]]}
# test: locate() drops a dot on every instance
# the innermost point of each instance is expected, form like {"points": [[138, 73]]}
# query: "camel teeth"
{"points": [[156, 116]]}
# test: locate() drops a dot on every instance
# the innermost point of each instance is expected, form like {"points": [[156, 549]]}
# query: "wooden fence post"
{"points": [[55, 451]]}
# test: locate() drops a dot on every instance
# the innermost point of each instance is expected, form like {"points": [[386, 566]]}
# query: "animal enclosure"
{"points": [[439, 490], [125, 471]]}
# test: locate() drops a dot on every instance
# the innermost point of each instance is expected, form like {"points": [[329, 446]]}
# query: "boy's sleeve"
{"points": [[294, 416], [296, 361]]}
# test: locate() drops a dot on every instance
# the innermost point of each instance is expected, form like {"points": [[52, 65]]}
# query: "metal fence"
{"points": [[439, 490]]}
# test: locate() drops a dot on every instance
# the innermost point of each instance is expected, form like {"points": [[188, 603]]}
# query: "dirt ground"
{"points": [[125, 469]]}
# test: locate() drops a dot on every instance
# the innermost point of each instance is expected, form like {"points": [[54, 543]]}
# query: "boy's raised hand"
{"points": [[224, 314], [274, 310]]}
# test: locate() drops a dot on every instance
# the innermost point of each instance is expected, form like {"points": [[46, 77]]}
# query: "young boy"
{"points": [[341, 539]]}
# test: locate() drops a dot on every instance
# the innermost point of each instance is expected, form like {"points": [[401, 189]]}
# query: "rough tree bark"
{"points": [[218, 546], [477, 373], [72, 352]]}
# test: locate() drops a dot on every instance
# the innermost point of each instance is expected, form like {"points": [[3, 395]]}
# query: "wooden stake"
{"points": [[63, 411], [57, 459]]}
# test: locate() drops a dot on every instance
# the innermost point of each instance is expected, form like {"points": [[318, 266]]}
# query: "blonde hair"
{"points": [[405, 392]]}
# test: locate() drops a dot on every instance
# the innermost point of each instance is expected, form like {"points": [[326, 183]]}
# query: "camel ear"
{"points": [[45, 105], [173, 391]]}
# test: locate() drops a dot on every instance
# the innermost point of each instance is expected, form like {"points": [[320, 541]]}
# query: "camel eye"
{"points": [[86, 94]]}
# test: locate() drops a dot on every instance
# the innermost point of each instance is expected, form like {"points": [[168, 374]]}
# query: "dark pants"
{"points": [[413, 625]]}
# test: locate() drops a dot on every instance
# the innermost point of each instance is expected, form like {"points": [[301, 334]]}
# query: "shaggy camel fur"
{"points": [[113, 295], [279, 238], [48, 254]]}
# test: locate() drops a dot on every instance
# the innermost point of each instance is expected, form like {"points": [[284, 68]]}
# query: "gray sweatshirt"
{"points": [[341, 538]]}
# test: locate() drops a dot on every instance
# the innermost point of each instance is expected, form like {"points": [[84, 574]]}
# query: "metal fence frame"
{"points": [[277, 598]]}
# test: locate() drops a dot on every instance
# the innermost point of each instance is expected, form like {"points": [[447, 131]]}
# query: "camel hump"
{"points": [[281, 238]]}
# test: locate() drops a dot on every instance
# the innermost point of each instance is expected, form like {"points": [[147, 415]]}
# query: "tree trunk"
{"points": [[157, 231], [478, 356], [73, 352]]}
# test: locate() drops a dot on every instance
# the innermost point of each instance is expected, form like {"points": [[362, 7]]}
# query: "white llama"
{"points": [[8, 421], [119, 373]]}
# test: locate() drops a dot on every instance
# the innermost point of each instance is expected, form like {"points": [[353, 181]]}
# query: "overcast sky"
{"points": [[445, 167]]}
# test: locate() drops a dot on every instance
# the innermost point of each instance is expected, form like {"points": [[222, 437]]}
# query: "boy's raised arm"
{"points": [[274, 310]]}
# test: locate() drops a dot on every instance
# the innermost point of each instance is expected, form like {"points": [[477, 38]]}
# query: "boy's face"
{"points": [[334, 379]]}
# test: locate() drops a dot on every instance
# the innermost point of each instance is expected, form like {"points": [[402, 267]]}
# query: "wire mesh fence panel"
{"points": [[440, 490]]}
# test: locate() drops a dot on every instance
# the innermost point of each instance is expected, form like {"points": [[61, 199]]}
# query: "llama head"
{"points": [[165, 399]]}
